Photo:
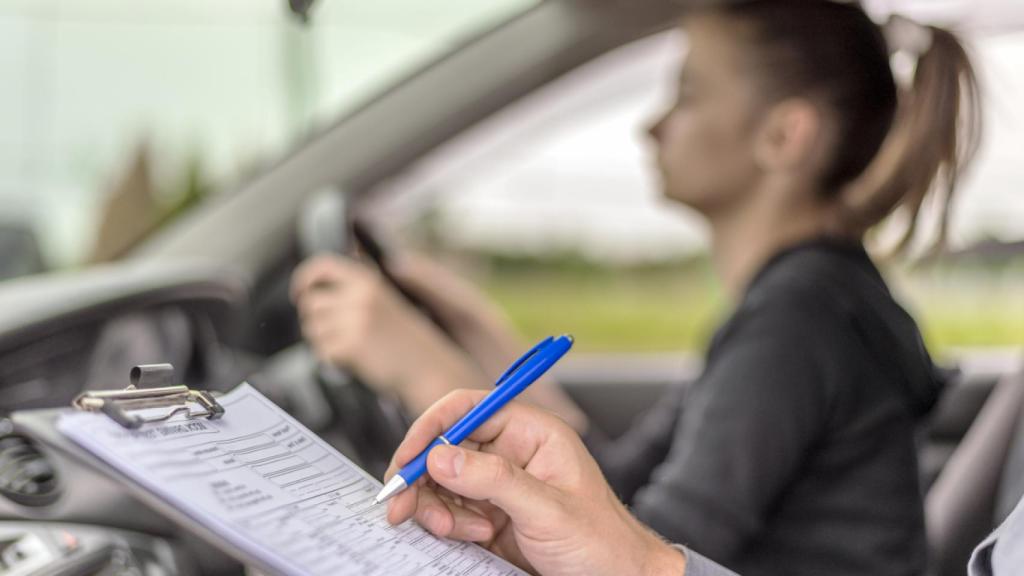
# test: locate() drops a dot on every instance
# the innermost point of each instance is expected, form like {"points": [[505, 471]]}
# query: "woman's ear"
{"points": [[790, 137]]}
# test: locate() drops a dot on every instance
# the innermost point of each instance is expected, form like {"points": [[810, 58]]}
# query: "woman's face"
{"points": [[705, 141]]}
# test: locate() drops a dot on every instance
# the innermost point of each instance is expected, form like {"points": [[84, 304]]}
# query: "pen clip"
{"points": [[522, 360]]}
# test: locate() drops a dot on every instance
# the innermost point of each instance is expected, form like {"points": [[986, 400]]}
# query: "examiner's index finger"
{"points": [[445, 413], [434, 421]]}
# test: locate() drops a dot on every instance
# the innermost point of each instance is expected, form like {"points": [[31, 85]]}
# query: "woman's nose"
{"points": [[654, 130]]}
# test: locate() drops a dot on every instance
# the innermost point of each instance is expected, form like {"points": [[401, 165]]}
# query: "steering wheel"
{"points": [[373, 424]]}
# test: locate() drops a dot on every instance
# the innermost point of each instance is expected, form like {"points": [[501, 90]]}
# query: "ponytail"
{"points": [[934, 137], [898, 149]]}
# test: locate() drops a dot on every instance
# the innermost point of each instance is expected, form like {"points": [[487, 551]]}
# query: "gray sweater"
{"points": [[793, 454]]}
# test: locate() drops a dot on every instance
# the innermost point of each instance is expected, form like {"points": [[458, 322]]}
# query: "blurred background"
{"points": [[164, 167], [119, 117]]}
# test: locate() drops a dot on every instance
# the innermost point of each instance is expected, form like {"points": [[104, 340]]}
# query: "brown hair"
{"points": [[894, 148]]}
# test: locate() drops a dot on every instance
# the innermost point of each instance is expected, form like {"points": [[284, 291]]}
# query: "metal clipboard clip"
{"points": [[149, 389]]}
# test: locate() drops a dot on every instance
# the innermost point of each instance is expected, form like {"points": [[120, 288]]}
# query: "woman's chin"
{"points": [[677, 196]]}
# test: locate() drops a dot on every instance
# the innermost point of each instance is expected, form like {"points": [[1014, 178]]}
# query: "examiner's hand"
{"points": [[525, 487], [352, 317]]}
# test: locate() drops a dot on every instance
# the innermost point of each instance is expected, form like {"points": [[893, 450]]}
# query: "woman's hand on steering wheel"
{"points": [[353, 318]]}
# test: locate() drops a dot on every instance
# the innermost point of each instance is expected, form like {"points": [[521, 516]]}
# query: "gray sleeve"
{"points": [[981, 559], [1002, 553], [697, 565]]}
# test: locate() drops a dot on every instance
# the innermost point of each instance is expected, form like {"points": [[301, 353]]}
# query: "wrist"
{"points": [[651, 556], [663, 559]]}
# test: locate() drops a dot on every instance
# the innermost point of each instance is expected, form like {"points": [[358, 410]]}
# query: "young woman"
{"points": [[794, 451]]}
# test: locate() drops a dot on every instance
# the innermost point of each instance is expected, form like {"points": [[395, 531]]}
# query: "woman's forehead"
{"points": [[721, 48], [709, 53]]}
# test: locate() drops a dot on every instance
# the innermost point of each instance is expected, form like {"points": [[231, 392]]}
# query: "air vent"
{"points": [[26, 477]]}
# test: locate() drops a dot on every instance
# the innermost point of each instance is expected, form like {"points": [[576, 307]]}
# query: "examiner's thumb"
{"points": [[483, 476]]}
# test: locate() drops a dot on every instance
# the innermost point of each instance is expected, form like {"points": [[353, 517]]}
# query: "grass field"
{"points": [[665, 310]]}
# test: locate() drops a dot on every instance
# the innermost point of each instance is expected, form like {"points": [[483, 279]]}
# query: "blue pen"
{"points": [[519, 375]]}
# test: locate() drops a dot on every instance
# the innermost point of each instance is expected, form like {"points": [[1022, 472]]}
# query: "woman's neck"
{"points": [[743, 241]]}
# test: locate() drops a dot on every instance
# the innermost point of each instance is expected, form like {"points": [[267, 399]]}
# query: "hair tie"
{"points": [[905, 35], [908, 41]]}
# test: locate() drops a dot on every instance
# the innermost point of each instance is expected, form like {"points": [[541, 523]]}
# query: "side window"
{"points": [[118, 116], [554, 207]]}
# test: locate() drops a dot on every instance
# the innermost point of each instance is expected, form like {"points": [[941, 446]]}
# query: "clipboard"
{"points": [[252, 486], [149, 389], [119, 405]]}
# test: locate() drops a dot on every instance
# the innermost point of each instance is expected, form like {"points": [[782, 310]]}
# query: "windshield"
{"points": [[131, 112]]}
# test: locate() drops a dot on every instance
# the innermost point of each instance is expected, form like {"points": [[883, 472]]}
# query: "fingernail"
{"points": [[458, 461], [430, 519], [448, 460]]}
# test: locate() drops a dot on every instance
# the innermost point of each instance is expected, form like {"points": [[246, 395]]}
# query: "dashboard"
{"points": [[61, 334], [65, 333]]}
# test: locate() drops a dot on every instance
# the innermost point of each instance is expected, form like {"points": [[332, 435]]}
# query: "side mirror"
{"points": [[19, 251]]}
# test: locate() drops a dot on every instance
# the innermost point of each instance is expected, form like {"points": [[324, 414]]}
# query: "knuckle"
{"points": [[501, 471], [456, 396], [317, 265], [561, 431]]}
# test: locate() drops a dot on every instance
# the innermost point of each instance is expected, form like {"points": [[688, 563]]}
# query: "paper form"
{"points": [[276, 491]]}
